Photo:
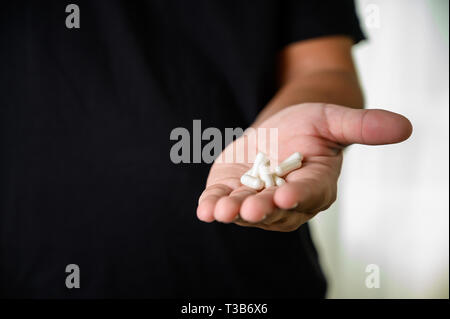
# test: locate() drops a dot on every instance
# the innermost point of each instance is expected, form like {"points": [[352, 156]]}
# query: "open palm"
{"points": [[319, 132]]}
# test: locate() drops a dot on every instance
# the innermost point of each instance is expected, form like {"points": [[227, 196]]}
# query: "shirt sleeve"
{"points": [[302, 20]]}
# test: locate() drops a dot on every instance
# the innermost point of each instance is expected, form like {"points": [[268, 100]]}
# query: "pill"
{"points": [[260, 159], [288, 165], [266, 175], [279, 181], [252, 182]]}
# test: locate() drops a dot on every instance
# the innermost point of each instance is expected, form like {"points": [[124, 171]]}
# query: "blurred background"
{"points": [[393, 206]]}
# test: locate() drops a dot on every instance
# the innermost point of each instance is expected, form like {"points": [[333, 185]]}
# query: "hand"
{"points": [[319, 132]]}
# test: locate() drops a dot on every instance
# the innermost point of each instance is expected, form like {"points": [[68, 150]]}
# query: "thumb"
{"points": [[371, 127]]}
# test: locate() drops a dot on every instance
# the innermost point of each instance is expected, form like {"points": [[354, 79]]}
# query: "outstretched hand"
{"points": [[319, 132]]}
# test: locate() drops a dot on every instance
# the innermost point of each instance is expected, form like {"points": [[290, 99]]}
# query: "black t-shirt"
{"points": [[86, 115]]}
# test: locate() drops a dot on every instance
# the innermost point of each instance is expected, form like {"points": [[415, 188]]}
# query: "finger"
{"points": [[287, 220], [312, 187], [228, 207], [271, 218], [255, 208], [372, 127], [282, 221], [306, 195], [208, 200], [274, 216]]}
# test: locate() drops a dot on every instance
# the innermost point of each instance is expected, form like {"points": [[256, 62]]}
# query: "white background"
{"points": [[393, 202]]}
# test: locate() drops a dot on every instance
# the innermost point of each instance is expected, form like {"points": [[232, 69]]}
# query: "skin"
{"points": [[315, 76]]}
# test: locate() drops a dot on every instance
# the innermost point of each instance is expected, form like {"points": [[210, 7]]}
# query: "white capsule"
{"points": [[288, 165], [260, 159], [279, 181], [252, 182], [266, 175]]}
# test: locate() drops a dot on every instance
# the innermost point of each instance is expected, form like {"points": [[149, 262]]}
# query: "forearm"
{"points": [[336, 87]]}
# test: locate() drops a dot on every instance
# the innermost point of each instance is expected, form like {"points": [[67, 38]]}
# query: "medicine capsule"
{"points": [[266, 175], [260, 159], [252, 182], [288, 165], [279, 181]]}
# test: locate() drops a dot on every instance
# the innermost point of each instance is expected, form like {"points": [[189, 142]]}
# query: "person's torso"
{"points": [[86, 174]]}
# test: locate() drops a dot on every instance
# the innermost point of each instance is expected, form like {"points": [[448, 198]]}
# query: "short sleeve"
{"points": [[302, 20]]}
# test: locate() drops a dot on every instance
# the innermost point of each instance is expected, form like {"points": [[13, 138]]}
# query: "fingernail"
{"points": [[264, 217], [295, 205]]}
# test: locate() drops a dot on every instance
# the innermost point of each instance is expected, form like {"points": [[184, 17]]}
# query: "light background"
{"points": [[393, 202]]}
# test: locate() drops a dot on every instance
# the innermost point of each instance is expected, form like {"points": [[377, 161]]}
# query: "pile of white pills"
{"points": [[261, 175]]}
